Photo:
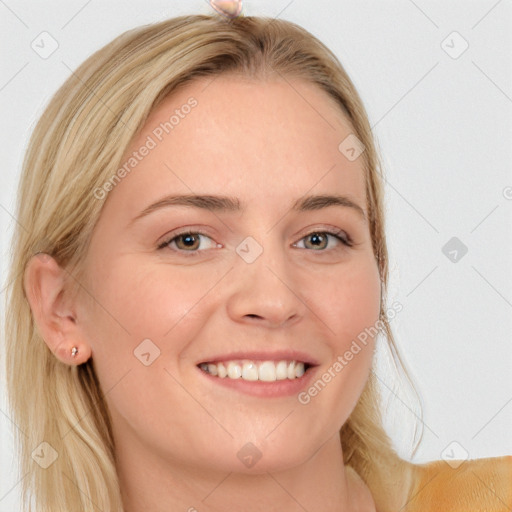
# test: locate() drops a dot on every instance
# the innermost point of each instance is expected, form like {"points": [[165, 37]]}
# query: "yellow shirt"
{"points": [[476, 485]]}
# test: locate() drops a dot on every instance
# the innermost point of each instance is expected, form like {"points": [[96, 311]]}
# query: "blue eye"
{"points": [[191, 239]]}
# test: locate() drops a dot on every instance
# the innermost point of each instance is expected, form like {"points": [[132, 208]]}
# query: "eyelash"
{"points": [[348, 242]]}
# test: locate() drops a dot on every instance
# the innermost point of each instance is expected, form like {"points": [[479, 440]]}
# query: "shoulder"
{"points": [[462, 486]]}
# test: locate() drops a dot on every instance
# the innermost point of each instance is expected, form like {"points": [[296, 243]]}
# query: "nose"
{"points": [[265, 292]]}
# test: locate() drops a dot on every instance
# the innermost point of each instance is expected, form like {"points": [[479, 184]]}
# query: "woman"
{"points": [[196, 301]]}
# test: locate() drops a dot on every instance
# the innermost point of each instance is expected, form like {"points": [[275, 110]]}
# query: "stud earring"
{"points": [[74, 352]]}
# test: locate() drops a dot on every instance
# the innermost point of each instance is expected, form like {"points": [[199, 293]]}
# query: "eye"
{"points": [[319, 239], [186, 241], [189, 241]]}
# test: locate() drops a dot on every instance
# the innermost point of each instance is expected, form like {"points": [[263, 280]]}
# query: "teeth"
{"points": [[234, 370], [299, 370], [266, 371], [281, 370], [290, 372], [249, 371], [221, 369]]}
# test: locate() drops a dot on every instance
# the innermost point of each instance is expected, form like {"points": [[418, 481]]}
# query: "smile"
{"points": [[265, 371]]}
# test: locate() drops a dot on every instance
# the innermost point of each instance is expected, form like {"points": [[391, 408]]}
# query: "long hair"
{"points": [[76, 146]]}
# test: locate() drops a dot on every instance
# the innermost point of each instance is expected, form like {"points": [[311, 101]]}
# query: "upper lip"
{"points": [[278, 355]]}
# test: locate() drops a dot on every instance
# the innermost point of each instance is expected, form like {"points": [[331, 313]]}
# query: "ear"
{"points": [[44, 284]]}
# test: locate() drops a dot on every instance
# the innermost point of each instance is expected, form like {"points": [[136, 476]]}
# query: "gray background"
{"points": [[442, 119]]}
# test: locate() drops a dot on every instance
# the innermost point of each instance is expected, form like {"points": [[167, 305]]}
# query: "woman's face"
{"points": [[262, 282]]}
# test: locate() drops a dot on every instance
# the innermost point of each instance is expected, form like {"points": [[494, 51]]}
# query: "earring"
{"points": [[74, 352]]}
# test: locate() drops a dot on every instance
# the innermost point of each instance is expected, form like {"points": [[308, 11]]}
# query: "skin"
{"points": [[177, 435]]}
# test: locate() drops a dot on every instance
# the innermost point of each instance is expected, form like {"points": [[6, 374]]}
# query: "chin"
{"points": [[255, 458]]}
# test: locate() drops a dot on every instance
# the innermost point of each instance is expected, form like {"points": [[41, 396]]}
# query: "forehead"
{"points": [[258, 140]]}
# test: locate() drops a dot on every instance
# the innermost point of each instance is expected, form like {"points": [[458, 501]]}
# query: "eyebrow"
{"points": [[232, 204]]}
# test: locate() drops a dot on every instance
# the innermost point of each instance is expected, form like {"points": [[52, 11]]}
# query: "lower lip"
{"points": [[275, 389]]}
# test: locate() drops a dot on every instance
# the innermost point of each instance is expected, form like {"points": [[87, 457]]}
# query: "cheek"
{"points": [[145, 316], [356, 321], [142, 303], [350, 309], [350, 303], [160, 304]]}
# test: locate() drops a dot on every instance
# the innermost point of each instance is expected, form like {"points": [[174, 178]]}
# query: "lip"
{"points": [[281, 355], [262, 389], [276, 389]]}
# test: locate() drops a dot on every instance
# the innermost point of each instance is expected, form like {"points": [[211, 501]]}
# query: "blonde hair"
{"points": [[75, 148]]}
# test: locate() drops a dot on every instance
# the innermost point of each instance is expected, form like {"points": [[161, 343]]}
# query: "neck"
{"points": [[321, 483]]}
